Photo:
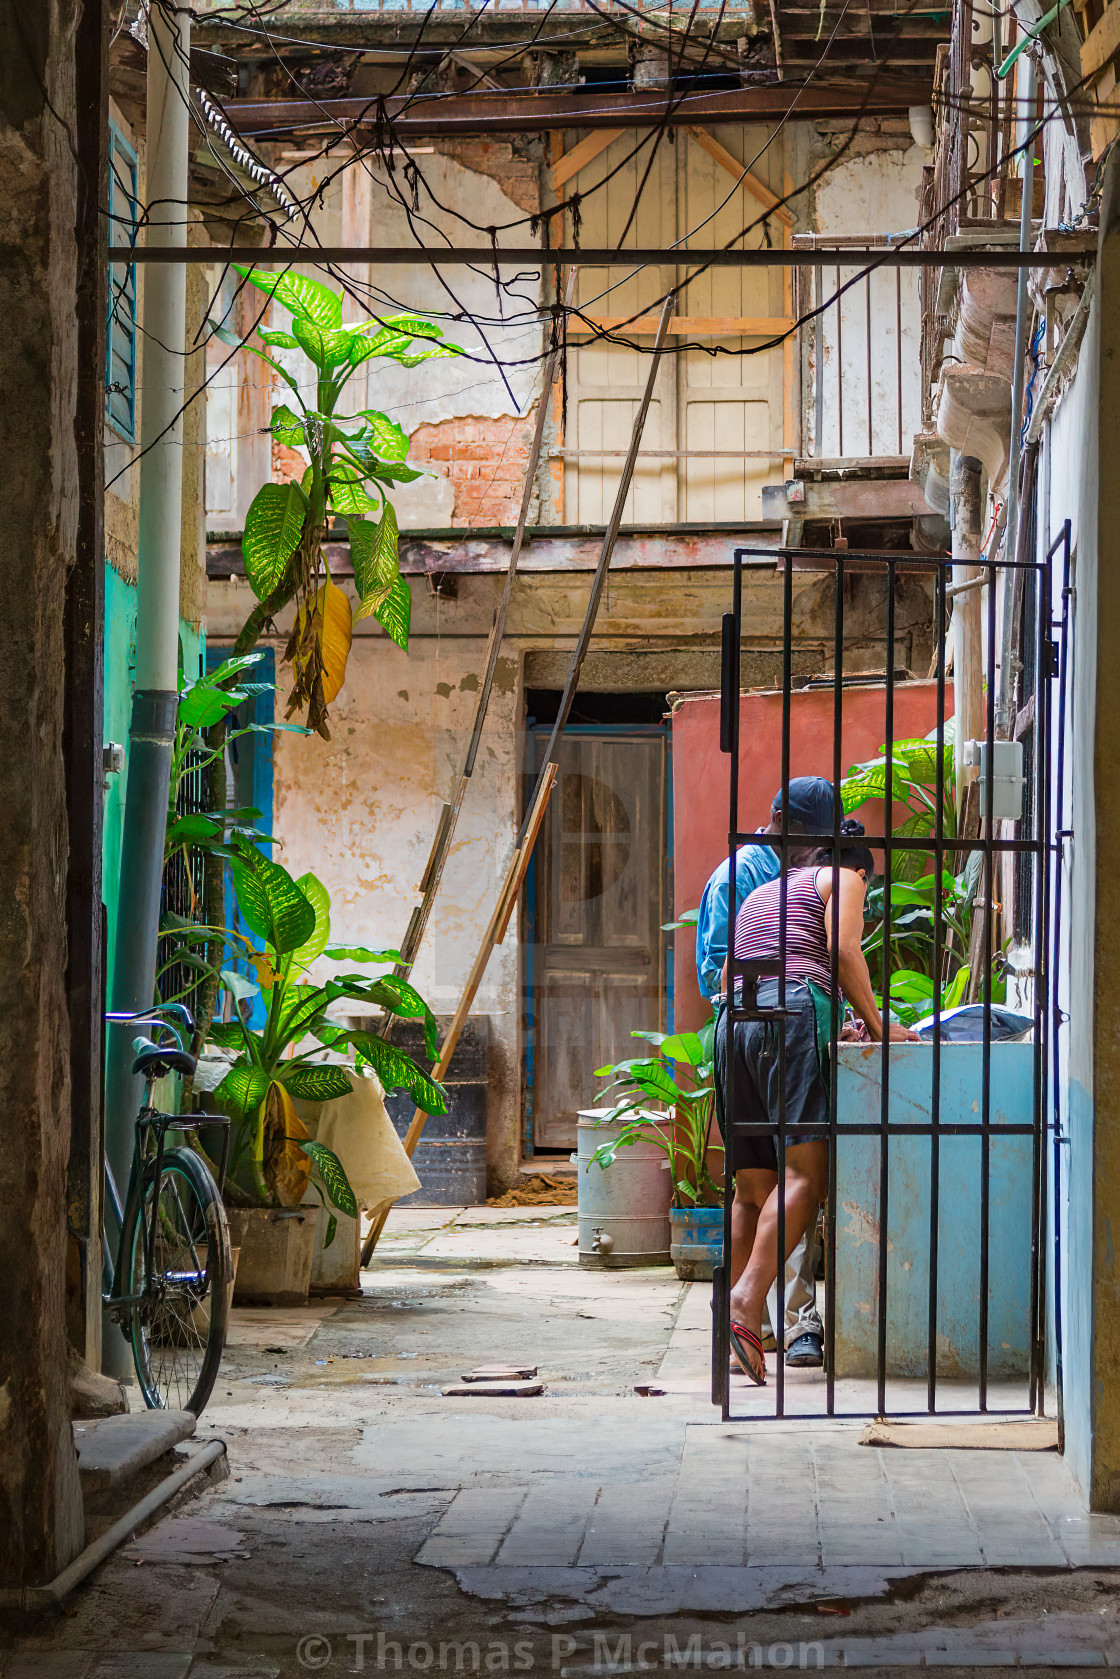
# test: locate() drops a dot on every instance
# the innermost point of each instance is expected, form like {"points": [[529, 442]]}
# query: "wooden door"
{"points": [[600, 901]]}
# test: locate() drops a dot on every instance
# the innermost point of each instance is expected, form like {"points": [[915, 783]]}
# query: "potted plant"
{"points": [[273, 1159], [679, 1076]]}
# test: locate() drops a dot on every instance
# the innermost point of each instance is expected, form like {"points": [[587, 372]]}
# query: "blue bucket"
{"points": [[697, 1241]]}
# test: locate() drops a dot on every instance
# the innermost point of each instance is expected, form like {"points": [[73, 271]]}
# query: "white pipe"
{"points": [[162, 366], [48, 1596], [1025, 133]]}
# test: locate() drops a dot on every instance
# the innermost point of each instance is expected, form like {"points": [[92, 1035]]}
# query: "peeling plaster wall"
{"points": [[361, 812]]}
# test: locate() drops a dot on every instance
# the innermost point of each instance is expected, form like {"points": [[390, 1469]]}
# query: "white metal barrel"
{"points": [[623, 1207]]}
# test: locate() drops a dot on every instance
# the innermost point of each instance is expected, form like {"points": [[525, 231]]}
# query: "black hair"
{"points": [[851, 856]]}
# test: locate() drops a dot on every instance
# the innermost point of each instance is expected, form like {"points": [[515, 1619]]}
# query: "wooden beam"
{"points": [[1103, 41], [700, 326], [571, 162], [769, 200]]}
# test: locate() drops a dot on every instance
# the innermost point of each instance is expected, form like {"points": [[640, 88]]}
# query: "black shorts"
{"points": [[758, 1082]]}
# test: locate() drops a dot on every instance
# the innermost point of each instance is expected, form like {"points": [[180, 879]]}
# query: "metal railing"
{"points": [[859, 387]]}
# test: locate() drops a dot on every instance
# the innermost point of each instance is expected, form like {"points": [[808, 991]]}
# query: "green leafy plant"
{"points": [[271, 1153], [679, 1076], [198, 845], [913, 772], [202, 703], [908, 947], [353, 459]]}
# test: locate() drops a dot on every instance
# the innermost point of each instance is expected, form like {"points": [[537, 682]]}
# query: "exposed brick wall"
{"points": [[514, 164], [485, 460], [287, 463]]}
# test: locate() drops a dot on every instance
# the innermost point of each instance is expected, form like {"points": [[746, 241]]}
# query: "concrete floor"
{"points": [[370, 1523]]}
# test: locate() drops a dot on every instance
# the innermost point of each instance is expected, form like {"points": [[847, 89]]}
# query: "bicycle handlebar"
{"points": [[156, 1014]]}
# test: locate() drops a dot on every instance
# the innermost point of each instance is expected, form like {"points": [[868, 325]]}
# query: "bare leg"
{"points": [[751, 1189], [806, 1180]]}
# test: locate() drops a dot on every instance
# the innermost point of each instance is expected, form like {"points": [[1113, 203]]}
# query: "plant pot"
{"points": [[697, 1241], [335, 1270], [277, 1249]]}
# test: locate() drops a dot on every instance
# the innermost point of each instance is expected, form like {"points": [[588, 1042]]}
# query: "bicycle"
{"points": [[171, 1286]]}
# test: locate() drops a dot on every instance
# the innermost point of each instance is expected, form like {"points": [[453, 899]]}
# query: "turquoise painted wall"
{"points": [[858, 1101], [120, 670]]}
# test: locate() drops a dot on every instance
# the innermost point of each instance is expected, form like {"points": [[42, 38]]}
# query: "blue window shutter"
{"points": [[120, 343]]}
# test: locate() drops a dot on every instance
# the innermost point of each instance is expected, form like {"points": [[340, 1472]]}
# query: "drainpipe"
{"points": [[157, 595], [1022, 308], [967, 631]]}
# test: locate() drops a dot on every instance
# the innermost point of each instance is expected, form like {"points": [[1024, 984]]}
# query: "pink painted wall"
{"points": [[701, 786]]}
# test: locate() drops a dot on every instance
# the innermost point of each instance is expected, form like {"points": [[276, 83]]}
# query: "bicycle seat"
{"points": [[154, 1061]]}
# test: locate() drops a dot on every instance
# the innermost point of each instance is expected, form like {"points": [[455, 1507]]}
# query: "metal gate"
{"points": [[934, 1285]]}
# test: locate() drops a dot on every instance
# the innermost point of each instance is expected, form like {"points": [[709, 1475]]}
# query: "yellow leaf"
{"points": [[287, 1168], [262, 967], [336, 633]]}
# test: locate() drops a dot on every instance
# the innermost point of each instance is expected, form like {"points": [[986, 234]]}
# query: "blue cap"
{"points": [[811, 803]]}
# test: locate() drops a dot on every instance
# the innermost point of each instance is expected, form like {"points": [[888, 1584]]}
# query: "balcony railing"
{"points": [[857, 355]]}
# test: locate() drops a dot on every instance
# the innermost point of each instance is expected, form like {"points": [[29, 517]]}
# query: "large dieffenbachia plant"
{"points": [[352, 460]]}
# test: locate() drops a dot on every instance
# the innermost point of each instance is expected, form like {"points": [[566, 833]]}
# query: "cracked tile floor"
{"points": [[370, 1523]]}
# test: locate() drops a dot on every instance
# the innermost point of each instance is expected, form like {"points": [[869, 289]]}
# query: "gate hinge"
{"points": [[1050, 655]]}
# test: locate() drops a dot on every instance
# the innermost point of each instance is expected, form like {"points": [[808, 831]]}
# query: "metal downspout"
{"points": [[157, 618], [1022, 304]]}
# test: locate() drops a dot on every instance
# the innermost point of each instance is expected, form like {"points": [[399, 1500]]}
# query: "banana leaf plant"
{"points": [[272, 1155], [679, 1076], [353, 460], [198, 844], [202, 703], [914, 785]]}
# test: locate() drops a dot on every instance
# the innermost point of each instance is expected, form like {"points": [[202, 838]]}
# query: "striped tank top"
{"points": [[757, 927]]}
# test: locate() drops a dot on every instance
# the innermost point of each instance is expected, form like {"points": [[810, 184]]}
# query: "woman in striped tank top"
{"points": [[808, 998]]}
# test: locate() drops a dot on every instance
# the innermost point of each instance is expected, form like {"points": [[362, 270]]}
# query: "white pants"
{"points": [[802, 1317]]}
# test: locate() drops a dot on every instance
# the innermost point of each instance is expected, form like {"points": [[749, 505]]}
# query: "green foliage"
{"points": [[205, 703], [293, 918], [351, 461], [917, 901], [679, 1077], [913, 779], [333, 1178]]}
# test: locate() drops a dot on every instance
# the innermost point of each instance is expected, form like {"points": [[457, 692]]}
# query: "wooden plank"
{"points": [[583, 152], [769, 200], [702, 326], [1103, 41]]}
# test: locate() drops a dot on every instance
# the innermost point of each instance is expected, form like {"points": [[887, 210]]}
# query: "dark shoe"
{"points": [[807, 1352]]}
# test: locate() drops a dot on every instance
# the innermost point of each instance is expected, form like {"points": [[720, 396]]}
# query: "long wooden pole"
{"points": [[530, 828]]}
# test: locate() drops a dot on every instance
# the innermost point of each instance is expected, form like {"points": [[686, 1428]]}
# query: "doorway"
{"points": [[596, 965]]}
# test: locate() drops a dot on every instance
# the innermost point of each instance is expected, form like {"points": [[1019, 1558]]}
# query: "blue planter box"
{"points": [[697, 1241]]}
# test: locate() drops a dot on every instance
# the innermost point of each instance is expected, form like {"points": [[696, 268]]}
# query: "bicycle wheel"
{"points": [[178, 1328]]}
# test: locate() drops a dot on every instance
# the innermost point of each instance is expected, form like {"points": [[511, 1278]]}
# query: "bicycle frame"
{"points": [[149, 1120]]}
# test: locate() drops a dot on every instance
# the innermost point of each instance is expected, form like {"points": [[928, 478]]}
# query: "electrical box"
{"points": [[1008, 779]]}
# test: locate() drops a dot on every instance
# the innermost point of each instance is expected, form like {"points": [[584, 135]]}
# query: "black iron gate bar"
{"points": [[741, 982], [1061, 542]]}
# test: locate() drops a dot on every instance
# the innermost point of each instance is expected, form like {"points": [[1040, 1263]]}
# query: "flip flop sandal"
{"points": [[744, 1341]]}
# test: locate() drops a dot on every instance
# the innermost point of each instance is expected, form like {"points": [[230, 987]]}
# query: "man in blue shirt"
{"points": [[811, 811]]}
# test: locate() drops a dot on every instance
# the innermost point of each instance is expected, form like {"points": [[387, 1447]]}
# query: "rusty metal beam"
{"points": [[512, 112]]}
